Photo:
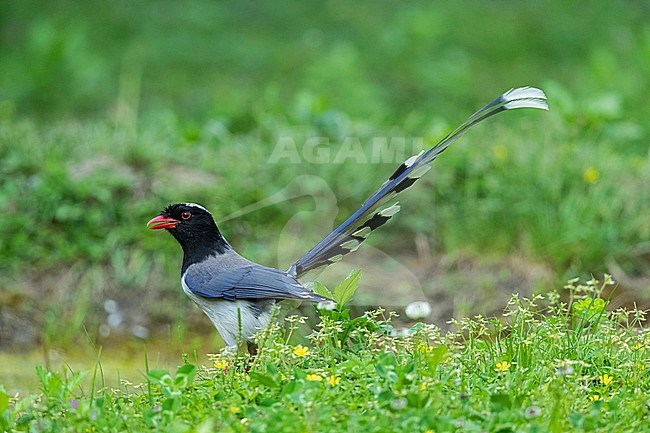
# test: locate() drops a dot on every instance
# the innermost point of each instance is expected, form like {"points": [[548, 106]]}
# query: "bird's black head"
{"points": [[194, 228]]}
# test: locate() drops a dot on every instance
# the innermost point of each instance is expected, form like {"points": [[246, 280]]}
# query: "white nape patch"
{"points": [[227, 315], [525, 97], [197, 206]]}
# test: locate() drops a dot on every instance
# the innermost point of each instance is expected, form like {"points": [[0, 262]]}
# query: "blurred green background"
{"points": [[111, 110]]}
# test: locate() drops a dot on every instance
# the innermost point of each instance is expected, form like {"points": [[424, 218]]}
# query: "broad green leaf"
{"points": [[271, 369], [184, 375], [290, 387], [99, 402], [436, 355], [172, 404], [264, 379], [345, 290], [386, 396], [4, 402], [267, 402], [500, 401], [161, 377], [320, 289], [187, 369], [157, 374]]}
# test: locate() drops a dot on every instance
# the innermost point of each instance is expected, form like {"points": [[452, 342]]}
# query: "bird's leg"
{"points": [[252, 348], [252, 351]]}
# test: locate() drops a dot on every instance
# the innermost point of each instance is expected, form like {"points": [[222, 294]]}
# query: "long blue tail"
{"points": [[353, 231]]}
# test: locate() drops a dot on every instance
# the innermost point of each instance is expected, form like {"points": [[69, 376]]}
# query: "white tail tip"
{"points": [[525, 97]]}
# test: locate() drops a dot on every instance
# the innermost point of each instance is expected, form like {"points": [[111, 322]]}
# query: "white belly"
{"points": [[235, 320]]}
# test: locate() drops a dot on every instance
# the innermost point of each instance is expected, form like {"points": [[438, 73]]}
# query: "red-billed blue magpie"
{"points": [[238, 295]]}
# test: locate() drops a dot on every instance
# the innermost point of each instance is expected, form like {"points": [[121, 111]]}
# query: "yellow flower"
{"points": [[590, 175], [423, 387], [429, 431], [589, 306], [233, 409], [220, 364], [333, 380], [301, 351], [605, 379], [314, 378], [594, 397], [637, 346], [502, 366]]}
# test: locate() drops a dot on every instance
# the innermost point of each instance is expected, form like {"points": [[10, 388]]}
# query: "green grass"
{"points": [[111, 110], [372, 60], [544, 365], [76, 196]]}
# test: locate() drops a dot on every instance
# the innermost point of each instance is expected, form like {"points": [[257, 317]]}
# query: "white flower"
{"points": [[326, 305], [533, 412], [418, 310], [564, 369], [398, 403], [400, 332]]}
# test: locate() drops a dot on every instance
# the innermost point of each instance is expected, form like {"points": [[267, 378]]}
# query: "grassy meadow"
{"points": [[111, 110], [546, 365]]}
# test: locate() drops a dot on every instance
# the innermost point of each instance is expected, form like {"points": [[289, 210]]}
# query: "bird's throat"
{"points": [[198, 248]]}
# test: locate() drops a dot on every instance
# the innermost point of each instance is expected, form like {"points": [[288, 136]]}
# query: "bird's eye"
{"points": [[186, 215]]}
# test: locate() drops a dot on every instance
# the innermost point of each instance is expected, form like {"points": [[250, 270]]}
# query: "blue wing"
{"points": [[247, 282]]}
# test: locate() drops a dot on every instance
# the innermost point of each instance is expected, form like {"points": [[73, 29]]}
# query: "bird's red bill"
{"points": [[161, 222]]}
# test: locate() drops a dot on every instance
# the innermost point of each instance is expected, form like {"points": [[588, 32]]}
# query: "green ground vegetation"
{"points": [[111, 110], [545, 365]]}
